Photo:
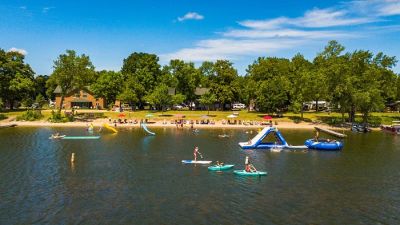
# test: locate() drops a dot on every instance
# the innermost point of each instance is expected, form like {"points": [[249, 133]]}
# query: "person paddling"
{"points": [[248, 167], [195, 152]]}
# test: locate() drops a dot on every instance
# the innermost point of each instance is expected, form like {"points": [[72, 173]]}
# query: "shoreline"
{"points": [[156, 124]]}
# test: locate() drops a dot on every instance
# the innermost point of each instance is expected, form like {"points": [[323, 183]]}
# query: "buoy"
{"points": [[73, 157]]}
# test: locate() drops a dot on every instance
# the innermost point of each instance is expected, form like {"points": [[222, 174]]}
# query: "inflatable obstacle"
{"points": [[324, 144], [110, 128], [258, 141], [143, 125]]}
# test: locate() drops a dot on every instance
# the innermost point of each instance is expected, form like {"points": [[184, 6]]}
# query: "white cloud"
{"points": [[285, 33], [260, 37], [316, 18], [379, 8], [46, 9], [191, 16], [19, 50], [214, 49], [264, 24], [390, 9]]}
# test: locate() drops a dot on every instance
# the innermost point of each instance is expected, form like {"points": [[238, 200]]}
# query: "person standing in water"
{"points": [[316, 135], [195, 152]]}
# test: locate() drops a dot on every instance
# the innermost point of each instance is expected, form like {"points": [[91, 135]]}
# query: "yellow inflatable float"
{"points": [[110, 128]]}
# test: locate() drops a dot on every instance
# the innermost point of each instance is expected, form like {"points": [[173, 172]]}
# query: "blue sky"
{"points": [[194, 30]]}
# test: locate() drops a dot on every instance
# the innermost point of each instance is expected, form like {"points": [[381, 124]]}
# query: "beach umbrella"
{"points": [[205, 116], [267, 117], [121, 115], [149, 115], [232, 116]]}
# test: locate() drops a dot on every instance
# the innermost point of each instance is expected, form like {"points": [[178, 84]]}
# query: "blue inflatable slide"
{"points": [[258, 143]]}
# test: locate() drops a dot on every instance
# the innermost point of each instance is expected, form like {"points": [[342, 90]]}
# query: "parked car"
{"points": [[177, 107], [238, 106], [35, 105]]}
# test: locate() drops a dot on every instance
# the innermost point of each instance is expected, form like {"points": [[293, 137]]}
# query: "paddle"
{"points": [[201, 156]]}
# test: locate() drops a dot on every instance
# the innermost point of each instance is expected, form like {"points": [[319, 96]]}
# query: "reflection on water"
{"points": [[130, 177]]}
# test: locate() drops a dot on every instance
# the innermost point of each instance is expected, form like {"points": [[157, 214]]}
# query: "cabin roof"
{"points": [[58, 89], [201, 91]]}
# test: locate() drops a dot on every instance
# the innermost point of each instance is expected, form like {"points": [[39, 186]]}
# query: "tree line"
{"points": [[358, 81]]}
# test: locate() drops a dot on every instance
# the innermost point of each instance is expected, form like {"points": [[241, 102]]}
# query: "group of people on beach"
{"points": [[248, 167]]}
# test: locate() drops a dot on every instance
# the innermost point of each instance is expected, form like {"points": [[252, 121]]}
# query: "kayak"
{"points": [[217, 168], [244, 173], [196, 162]]}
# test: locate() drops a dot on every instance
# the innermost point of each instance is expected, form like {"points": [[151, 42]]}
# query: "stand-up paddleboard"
{"points": [[147, 130], [244, 173], [223, 135], [57, 137], [218, 168], [196, 162], [80, 137]]}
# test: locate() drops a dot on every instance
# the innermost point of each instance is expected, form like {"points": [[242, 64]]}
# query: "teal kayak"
{"points": [[217, 168], [244, 173], [80, 137]]}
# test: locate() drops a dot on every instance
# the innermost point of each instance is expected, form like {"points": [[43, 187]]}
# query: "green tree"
{"points": [[187, 77], [270, 97], [398, 87], [72, 71], [248, 91], [40, 85], [159, 97], [132, 92], [371, 76], [109, 85], [274, 74], [301, 69], [24, 86], [128, 96], [40, 100], [13, 70], [222, 82], [178, 98], [334, 66], [207, 71], [143, 68], [208, 99]]}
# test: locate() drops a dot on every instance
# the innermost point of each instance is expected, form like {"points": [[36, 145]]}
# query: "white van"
{"points": [[238, 106]]}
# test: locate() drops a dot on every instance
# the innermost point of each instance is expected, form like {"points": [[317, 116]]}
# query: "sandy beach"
{"points": [[218, 124]]}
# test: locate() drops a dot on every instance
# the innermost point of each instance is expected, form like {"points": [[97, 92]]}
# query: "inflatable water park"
{"points": [[258, 142]]}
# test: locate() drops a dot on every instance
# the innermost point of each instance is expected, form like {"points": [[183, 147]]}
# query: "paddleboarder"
{"points": [[195, 152]]}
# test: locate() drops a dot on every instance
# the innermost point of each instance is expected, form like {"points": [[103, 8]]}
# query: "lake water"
{"points": [[132, 178]]}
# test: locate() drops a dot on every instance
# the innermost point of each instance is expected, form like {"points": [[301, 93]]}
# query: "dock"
{"points": [[331, 132]]}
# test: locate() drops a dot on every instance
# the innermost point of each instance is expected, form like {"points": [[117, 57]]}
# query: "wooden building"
{"points": [[79, 98]]}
